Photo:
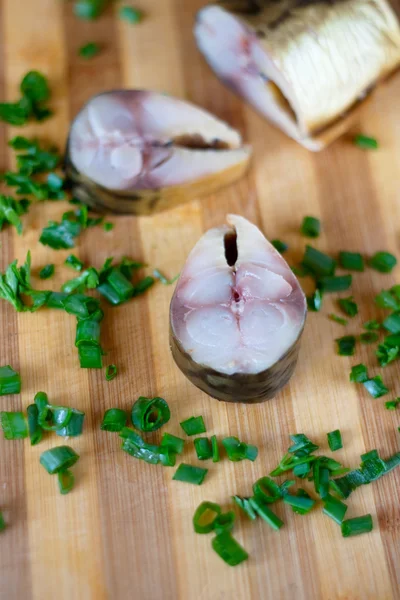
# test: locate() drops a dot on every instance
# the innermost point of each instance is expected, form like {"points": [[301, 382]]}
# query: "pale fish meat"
{"points": [[306, 65], [237, 315], [141, 152]]}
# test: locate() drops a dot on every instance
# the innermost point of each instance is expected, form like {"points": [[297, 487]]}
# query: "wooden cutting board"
{"points": [[125, 531]]}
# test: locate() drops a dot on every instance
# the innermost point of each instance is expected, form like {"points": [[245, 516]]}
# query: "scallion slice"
{"points": [[280, 246], [237, 450], [384, 262], [348, 306], [10, 381], [266, 514], [351, 261], [58, 459], [215, 449], [357, 526], [193, 426], [74, 262], [369, 337], [164, 280], [205, 517], [337, 319], [173, 443], [311, 227], [111, 372], [314, 302], [229, 549], [334, 508], [319, 263], [87, 332], [75, 425], [149, 414], [392, 323], [14, 425], [2, 522], [224, 522], [90, 356], [387, 354], [392, 404], [244, 504], [114, 419], [266, 490], [190, 474], [386, 299], [335, 440], [372, 325], [346, 345], [47, 272], [375, 386], [365, 142], [301, 503], [203, 448], [35, 430], [335, 283], [52, 417], [66, 481], [359, 374]]}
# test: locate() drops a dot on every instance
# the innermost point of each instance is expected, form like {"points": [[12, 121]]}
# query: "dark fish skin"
{"points": [[244, 388]]}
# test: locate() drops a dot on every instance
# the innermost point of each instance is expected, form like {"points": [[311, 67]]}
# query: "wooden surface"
{"points": [[125, 531]]}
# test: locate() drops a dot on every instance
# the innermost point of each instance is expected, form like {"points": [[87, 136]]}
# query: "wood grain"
{"points": [[126, 528]]}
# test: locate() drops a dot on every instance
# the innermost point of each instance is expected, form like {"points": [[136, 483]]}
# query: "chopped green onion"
{"points": [[89, 9], [173, 443], [392, 323], [244, 504], [392, 404], [108, 226], [348, 306], [66, 481], [149, 414], [60, 235], [190, 474], [229, 549], [266, 490], [372, 466], [280, 246], [302, 445], [335, 283], [224, 522], [111, 372], [51, 418], [302, 470], [10, 380], [135, 446], [319, 263], [393, 462], [205, 517], [89, 50], [238, 451], [114, 419], [334, 508], [314, 302], [193, 426], [35, 430], [359, 374], [372, 325], [346, 345], [369, 337], [14, 425], [357, 526], [365, 142], [158, 275], [87, 332], [337, 319], [58, 459], [375, 386], [143, 285], [75, 425], [387, 354], [351, 261], [311, 227], [2, 522], [74, 262], [266, 514], [215, 449], [321, 477], [90, 357], [383, 262], [335, 440], [130, 14], [386, 299], [46, 272], [203, 448], [301, 503]]}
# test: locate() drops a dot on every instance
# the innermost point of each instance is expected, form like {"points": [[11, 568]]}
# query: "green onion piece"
{"points": [[229, 549], [75, 425], [190, 474], [10, 380], [14, 425], [193, 426], [143, 285], [149, 414], [372, 467], [266, 514], [130, 14], [375, 386], [203, 448], [87, 332], [372, 325], [301, 503], [114, 419], [2, 522], [238, 451], [244, 504], [351, 261], [346, 345], [348, 306], [266, 490], [345, 485], [302, 271], [35, 430], [47, 272], [338, 283], [89, 50], [90, 356], [66, 481], [111, 372], [311, 227], [158, 275], [387, 354], [135, 446], [215, 449], [369, 337], [335, 440], [319, 263], [392, 323], [386, 299], [41, 401], [224, 522], [359, 374], [334, 508], [280, 246], [357, 526], [173, 443], [392, 462], [392, 404], [302, 471], [365, 142], [314, 302], [108, 226], [337, 319], [58, 459], [384, 262], [205, 517], [74, 262], [302, 445], [51, 418], [321, 478]]}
